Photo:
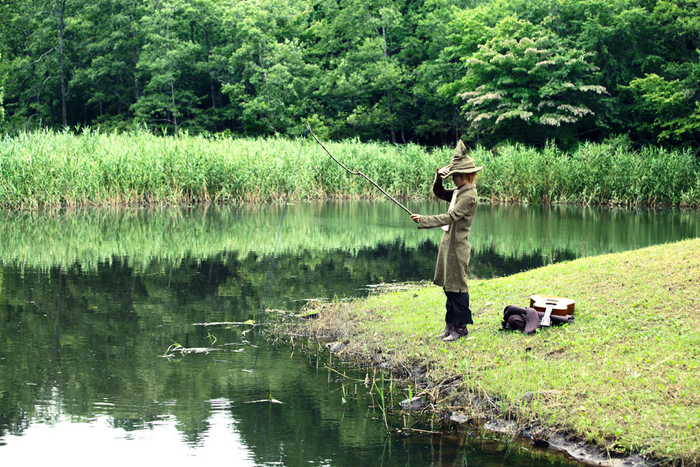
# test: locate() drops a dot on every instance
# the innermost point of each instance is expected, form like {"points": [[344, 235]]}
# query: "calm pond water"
{"points": [[91, 301]]}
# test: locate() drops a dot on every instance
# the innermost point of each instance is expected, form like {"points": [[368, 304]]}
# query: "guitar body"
{"points": [[559, 306]]}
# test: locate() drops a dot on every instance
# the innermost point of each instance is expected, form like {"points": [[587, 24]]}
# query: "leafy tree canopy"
{"points": [[429, 71]]}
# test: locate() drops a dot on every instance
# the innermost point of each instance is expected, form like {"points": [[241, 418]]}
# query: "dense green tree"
{"points": [[664, 102], [394, 70], [453, 34], [366, 80], [167, 63], [2, 91], [374, 70], [630, 39], [40, 47], [670, 109], [206, 30], [266, 77], [107, 79], [432, 41], [676, 30], [6, 14]]}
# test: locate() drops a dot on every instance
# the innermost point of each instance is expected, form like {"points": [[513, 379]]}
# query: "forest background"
{"points": [[421, 71]]}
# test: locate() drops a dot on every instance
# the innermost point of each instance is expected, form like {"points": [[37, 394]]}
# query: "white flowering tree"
{"points": [[529, 89]]}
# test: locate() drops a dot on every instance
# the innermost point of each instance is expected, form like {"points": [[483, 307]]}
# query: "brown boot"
{"points": [[456, 333], [446, 332]]}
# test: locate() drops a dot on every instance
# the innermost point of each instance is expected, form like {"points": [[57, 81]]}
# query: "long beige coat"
{"points": [[454, 251]]}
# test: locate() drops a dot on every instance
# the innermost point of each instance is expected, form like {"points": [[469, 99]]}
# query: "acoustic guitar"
{"points": [[559, 306]]}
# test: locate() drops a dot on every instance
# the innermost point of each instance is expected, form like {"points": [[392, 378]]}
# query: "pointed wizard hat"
{"points": [[461, 162]]}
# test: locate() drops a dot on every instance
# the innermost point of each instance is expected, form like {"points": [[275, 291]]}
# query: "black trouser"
{"points": [[458, 312]]}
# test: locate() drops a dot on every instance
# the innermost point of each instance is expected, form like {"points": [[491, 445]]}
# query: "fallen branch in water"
{"points": [[177, 348], [270, 400], [223, 323]]}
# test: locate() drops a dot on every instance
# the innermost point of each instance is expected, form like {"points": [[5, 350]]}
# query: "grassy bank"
{"points": [[93, 169], [624, 376]]}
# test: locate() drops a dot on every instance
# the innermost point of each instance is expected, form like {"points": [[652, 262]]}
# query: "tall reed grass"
{"points": [[43, 169], [607, 173], [60, 169]]}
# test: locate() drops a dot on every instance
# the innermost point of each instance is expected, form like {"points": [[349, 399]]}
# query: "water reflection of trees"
{"points": [[89, 338], [89, 301], [167, 236]]}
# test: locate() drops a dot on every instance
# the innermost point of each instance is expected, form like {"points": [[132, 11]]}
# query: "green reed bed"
{"points": [[605, 173], [63, 169], [50, 169]]}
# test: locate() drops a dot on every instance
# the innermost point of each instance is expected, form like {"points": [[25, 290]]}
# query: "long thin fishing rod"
{"points": [[357, 172], [274, 251]]}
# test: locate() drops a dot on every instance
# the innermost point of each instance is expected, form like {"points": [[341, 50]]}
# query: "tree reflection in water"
{"points": [[91, 300]]}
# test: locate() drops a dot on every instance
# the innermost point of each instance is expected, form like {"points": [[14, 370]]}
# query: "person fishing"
{"points": [[453, 253]]}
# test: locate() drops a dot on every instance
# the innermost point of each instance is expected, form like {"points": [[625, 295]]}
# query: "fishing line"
{"points": [[274, 251]]}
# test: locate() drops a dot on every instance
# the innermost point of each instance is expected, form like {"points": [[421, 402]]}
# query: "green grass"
{"points": [[624, 376], [45, 169]]}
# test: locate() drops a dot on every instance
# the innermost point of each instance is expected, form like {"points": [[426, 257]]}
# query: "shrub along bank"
{"points": [[43, 169], [623, 377]]}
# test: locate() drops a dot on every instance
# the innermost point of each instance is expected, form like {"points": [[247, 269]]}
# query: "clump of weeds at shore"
{"points": [[623, 376]]}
